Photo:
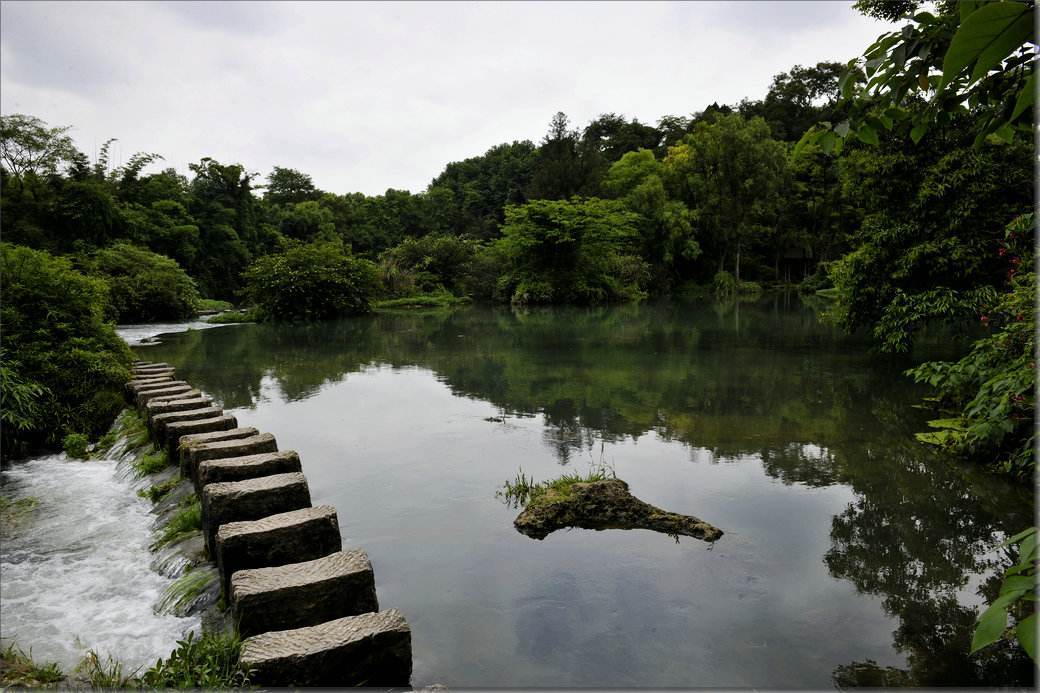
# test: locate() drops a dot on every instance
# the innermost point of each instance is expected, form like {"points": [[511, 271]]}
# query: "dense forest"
{"points": [[887, 183]]}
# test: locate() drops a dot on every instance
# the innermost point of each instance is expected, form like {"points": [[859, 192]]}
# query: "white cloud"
{"points": [[370, 96]]}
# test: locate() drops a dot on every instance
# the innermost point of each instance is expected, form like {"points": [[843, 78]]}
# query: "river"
{"points": [[851, 554]]}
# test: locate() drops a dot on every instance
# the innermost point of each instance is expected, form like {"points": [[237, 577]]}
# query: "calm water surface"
{"points": [[848, 550]]}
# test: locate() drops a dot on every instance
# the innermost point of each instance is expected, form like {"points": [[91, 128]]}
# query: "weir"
{"points": [[307, 609]]}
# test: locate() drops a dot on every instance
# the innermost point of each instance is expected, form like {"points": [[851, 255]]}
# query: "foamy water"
{"points": [[75, 573], [139, 335]]}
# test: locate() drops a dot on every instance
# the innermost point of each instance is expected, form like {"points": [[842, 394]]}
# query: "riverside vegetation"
{"points": [[900, 184]]}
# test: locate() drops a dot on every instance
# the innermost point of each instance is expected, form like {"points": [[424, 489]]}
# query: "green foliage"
{"points": [[182, 593], [144, 286], [525, 491], [208, 662], [17, 669], [151, 463], [990, 393], [426, 264], [439, 299], [14, 512], [75, 445], [156, 492], [311, 282], [185, 522], [971, 57], [71, 366], [1017, 597], [214, 304], [106, 675], [569, 252]]}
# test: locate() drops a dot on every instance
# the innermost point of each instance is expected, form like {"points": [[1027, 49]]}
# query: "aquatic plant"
{"points": [[182, 592], [151, 463], [235, 316], [13, 512], [185, 522], [525, 491], [105, 675], [18, 669], [156, 492], [209, 661]]}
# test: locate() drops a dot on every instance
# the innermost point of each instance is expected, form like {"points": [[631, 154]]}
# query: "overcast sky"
{"points": [[364, 97]]}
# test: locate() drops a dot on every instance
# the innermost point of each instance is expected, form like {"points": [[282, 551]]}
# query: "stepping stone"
{"points": [[292, 537], [252, 499], [365, 650], [149, 381], [303, 594], [159, 421], [144, 397], [158, 386], [197, 453], [248, 467], [190, 394], [176, 430], [153, 408], [150, 364], [203, 438], [140, 374]]}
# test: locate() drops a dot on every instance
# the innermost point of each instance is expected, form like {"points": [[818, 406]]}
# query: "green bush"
{"points": [[426, 264], [145, 286], [209, 662], [311, 282], [75, 445], [71, 366]]}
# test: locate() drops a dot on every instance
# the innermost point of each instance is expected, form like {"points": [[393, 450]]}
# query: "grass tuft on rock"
{"points": [[151, 463], [177, 599], [525, 491], [156, 492], [187, 521], [17, 669]]}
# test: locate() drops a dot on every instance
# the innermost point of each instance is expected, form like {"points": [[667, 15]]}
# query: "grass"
{"points": [[156, 492], [235, 316], [187, 521], [106, 674], [128, 424], [18, 669], [214, 304], [440, 299], [150, 463], [525, 491], [209, 662], [182, 592]]}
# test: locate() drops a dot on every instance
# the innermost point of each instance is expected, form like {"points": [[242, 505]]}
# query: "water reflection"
{"points": [[764, 383]]}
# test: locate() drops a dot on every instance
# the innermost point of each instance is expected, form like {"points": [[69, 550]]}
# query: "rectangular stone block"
{"points": [[190, 394], [158, 422], [251, 499], [254, 445], [248, 467], [147, 387], [161, 407], [196, 439], [177, 430], [366, 650], [152, 364], [292, 537], [303, 594], [144, 397], [151, 372]]}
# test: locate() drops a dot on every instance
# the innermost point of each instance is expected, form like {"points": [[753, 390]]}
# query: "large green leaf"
{"points": [[1026, 96], [986, 37], [1026, 632], [992, 622]]}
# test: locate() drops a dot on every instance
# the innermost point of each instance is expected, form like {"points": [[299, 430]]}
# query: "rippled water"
{"points": [[75, 569]]}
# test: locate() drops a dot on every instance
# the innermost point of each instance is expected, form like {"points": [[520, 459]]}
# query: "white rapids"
{"points": [[75, 572]]}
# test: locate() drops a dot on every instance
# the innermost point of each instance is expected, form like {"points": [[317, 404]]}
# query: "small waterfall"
{"points": [[77, 570]]}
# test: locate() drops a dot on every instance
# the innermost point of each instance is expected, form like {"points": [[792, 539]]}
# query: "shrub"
{"points": [[71, 365], [75, 445], [426, 263], [210, 661], [145, 286], [318, 281]]}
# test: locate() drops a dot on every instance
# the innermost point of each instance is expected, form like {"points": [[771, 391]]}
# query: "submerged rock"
{"points": [[605, 504]]}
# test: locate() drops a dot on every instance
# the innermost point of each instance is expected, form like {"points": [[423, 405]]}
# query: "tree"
{"points": [[144, 286], [665, 225], [29, 147], [318, 281], [570, 251], [797, 100], [729, 173], [289, 186], [560, 170]]}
